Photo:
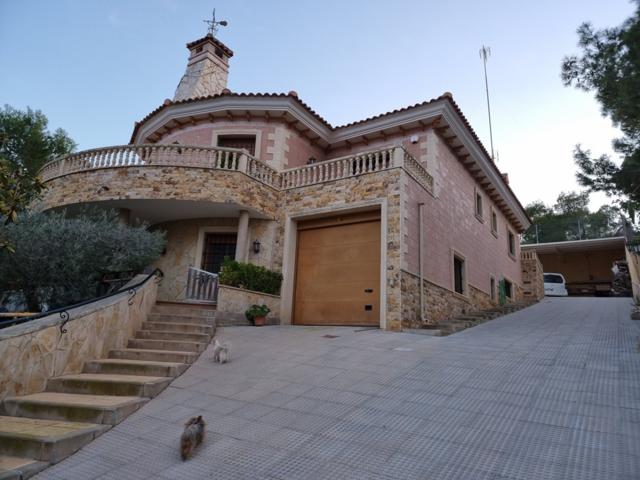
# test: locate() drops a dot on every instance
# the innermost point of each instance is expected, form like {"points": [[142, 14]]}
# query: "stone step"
{"points": [[45, 440], [179, 327], [109, 384], [135, 367], [200, 310], [153, 355], [167, 318], [104, 409], [174, 336], [18, 468], [173, 345]]}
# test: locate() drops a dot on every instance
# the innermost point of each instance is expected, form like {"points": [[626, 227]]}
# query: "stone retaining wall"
{"points": [[233, 302], [440, 303], [35, 351], [532, 276]]}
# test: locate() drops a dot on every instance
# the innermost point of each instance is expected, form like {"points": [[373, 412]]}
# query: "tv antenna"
{"points": [[485, 53], [214, 24]]}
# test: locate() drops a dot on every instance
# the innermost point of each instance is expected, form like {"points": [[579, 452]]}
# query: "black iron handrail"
{"points": [[64, 311]]}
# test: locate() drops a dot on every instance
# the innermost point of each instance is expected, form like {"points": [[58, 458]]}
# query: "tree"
{"points": [[60, 260], [25, 141], [25, 145], [610, 66], [570, 219]]}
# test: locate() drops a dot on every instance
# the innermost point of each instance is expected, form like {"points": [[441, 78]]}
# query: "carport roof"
{"points": [[575, 245]]}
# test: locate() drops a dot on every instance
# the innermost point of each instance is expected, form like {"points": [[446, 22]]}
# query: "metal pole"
{"points": [[484, 54]]}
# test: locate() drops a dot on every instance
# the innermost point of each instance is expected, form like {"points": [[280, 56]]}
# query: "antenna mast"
{"points": [[485, 53]]}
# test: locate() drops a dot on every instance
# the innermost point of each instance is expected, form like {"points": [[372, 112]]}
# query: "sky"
{"points": [[95, 67]]}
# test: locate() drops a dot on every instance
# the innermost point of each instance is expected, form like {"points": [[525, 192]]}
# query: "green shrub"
{"points": [[59, 260], [250, 277], [256, 311]]}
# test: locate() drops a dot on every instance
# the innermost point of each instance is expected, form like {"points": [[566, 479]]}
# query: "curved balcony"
{"points": [[161, 155], [122, 175]]}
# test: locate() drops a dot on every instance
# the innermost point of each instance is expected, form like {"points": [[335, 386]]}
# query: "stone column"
{"points": [[243, 237]]}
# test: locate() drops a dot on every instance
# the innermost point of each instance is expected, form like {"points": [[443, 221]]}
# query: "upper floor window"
{"points": [[478, 205], [511, 238], [494, 222], [243, 142]]}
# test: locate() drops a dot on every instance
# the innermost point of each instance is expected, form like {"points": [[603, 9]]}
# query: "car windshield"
{"points": [[549, 278]]}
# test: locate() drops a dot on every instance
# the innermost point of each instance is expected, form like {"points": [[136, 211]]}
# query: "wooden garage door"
{"points": [[338, 272]]}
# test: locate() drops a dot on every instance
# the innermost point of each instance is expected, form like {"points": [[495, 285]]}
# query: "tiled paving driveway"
{"points": [[552, 391]]}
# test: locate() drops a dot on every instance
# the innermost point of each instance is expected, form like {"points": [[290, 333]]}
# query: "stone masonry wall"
{"points": [[342, 194], [182, 249], [532, 276], [233, 302], [440, 303], [165, 183], [35, 351]]}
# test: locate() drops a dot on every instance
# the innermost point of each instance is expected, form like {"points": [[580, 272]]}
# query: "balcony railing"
{"points": [[201, 285], [238, 160], [161, 155]]}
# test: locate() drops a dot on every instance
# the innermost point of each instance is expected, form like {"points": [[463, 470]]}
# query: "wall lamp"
{"points": [[256, 246]]}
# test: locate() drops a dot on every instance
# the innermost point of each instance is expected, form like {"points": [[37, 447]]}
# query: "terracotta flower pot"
{"points": [[258, 321]]}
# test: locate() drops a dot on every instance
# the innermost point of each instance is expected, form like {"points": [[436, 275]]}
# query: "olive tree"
{"points": [[59, 259]]}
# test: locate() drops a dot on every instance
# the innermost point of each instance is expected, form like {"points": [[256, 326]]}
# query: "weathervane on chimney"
{"points": [[214, 24]]}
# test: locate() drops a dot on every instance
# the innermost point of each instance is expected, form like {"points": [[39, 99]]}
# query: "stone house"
{"points": [[398, 220]]}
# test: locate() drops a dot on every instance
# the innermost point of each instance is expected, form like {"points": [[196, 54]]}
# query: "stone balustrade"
{"points": [[233, 159]]}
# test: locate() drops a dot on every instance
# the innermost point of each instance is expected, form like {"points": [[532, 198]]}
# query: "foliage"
{"points": [[570, 219], [610, 66], [250, 277], [25, 145], [59, 260], [256, 311], [25, 141], [17, 190]]}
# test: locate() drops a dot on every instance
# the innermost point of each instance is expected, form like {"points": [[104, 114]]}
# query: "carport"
{"points": [[585, 264]]}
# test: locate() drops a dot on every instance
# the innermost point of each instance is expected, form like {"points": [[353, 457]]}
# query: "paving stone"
{"points": [[549, 392]]}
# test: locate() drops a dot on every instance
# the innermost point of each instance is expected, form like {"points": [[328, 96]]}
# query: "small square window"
{"points": [[458, 275], [511, 238]]}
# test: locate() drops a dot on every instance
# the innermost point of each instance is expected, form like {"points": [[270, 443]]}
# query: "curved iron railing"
{"points": [[157, 275]]}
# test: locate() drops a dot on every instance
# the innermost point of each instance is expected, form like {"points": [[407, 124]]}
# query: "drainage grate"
{"points": [[330, 336]]}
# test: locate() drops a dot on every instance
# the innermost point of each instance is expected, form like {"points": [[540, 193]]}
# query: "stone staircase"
{"points": [[462, 322], [43, 428]]}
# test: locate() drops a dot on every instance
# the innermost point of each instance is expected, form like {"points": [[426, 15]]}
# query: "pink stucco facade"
{"points": [[175, 174], [450, 225]]}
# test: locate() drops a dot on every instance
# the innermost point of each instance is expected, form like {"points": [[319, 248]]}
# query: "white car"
{"points": [[555, 285]]}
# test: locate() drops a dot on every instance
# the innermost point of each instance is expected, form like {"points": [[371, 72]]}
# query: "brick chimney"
{"points": [[207, 69]]}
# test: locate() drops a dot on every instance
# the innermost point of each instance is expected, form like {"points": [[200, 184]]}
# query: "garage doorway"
{"points": [[337, 279]]}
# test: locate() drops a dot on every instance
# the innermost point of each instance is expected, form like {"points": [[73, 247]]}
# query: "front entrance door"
{"points": [[216, 247], [338, 271]]}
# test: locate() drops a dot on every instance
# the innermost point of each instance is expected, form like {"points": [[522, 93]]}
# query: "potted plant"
{"points": [[256, 314]]}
